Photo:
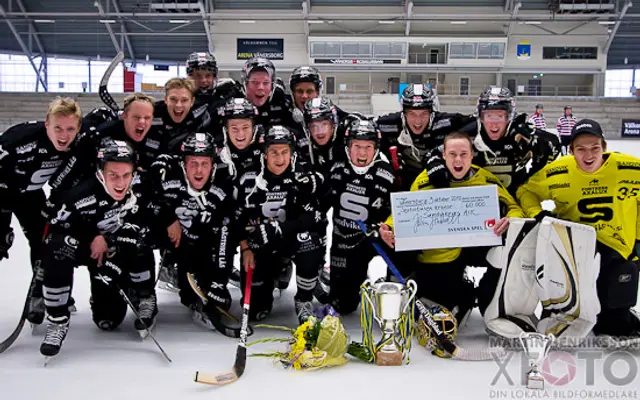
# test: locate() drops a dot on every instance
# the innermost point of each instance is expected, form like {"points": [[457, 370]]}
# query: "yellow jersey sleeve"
{"points": [[532, 193]]}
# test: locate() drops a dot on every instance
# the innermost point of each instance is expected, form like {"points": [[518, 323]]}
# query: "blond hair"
{"points": [[64, 106], [180, 83], [137, 97]]}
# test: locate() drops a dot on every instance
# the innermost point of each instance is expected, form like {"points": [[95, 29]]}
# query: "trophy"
{"points": [[388, 303], [536, 346]]}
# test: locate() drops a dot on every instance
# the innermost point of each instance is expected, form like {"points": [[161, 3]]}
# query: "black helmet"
{"points": [[237, 108], [203, 60], [539, 106], [256, 64], [363, 129], [117, 151], [496, 98], [320, 109], [418, 97], [278, 134], [198, 144], [305, 74]]}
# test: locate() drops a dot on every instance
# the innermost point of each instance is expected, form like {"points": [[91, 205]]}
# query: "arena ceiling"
{"points": [[167, 30]]}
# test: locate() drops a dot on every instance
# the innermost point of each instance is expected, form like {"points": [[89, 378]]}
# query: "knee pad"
{"points": [[108, 309], [618, 285], [345, 305]]}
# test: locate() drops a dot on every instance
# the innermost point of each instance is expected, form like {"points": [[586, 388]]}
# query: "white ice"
{"points": [[118, 365]]}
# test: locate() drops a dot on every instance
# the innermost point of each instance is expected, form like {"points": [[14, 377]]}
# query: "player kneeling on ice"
{"points": [[277, 219], [97, 224], [360, 190], [196, 210], [440, 273], [599, 189]]}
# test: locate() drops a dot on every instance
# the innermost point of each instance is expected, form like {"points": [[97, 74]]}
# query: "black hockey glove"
{"points": [[437, 171], [218, 296], [264, 235], [309, 183], [6, 240], [522, 134]]}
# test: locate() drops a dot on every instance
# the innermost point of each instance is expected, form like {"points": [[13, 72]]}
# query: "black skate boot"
{"points": [[57, 329], [168, 275], [304, 310], [148, 309]]}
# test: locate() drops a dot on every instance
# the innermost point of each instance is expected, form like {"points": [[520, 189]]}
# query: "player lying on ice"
{"points": [[440, 273]]}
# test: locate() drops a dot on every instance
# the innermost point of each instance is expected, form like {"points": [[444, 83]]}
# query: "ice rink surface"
{"points": [[118, 365]]}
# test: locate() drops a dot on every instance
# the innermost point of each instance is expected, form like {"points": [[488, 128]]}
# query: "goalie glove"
{"points": [[264, 235]]}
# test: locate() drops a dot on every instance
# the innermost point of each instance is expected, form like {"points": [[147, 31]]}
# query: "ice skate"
{"points": [[57, 329], [147, 309]]}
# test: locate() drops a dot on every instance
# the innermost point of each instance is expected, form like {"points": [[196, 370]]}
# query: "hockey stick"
{"points": [[241, 352], [456, 351], [109, 282], [23, 318], [105, 96], [216, 320], [395, 163]]}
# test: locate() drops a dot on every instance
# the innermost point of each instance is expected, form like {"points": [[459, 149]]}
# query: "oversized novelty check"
{"points": [[445, 218]]}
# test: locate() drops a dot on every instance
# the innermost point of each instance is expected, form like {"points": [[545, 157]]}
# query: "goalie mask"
{"points": [[446, 322]]}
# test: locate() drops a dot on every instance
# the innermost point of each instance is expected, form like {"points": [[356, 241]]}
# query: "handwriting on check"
{"points": [[444, 210]]}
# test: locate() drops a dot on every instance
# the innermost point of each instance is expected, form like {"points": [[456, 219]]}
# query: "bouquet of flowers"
{"points": [[320, 342]]}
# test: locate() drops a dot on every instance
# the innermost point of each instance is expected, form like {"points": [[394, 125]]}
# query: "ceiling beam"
{"points": [[615, 28], [33, 29], [408, 5], [107, 26], [205, 23], [123, 29], [514, 15], [25, 50], [306, 9]]}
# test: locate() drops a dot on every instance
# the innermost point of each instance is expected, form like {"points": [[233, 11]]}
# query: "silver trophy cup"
{"points": [[389, 301], [536, 347]]}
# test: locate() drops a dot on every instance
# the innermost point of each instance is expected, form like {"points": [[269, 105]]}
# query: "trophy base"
{"points": [[389, 358], [535, 382]]}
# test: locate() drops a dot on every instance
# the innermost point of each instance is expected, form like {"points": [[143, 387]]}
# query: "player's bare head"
{"points": [[458, 154], [179, 97], [64, 117], [588, 145], [137, 115], [117, 178], [495, 123]]}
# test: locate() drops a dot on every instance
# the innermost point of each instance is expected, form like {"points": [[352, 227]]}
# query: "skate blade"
{"points": [[47, 359], [203, 323], [168, 287], [144, 333]]}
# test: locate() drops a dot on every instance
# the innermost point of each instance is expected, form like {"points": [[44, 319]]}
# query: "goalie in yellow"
{"points": [[440, 273], [600, 189]]}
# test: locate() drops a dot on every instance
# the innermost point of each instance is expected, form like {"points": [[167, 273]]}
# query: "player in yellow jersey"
{"points": [[599, 189], [440, 273]]}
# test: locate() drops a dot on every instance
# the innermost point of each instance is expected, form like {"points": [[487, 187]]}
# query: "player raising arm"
{"points": [[599, 189]]}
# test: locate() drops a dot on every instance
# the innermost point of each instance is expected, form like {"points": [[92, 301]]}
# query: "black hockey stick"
{"points": [[130, 304], [23, 318], [241, 352], [456, 351], [216, 318], [105, 96]]}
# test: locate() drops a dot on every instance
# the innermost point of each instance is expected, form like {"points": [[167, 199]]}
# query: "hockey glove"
{"points": [[522, 134], [218, 296], [6, 240], [309, 183], [264, 235], [437, 172]]}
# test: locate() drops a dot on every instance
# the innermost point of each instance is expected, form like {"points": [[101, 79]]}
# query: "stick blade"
{"points": [[216, 379]]}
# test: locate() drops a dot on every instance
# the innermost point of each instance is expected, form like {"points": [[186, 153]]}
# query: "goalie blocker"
{"points": [[554, 263]]}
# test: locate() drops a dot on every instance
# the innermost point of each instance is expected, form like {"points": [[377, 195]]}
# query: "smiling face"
{"points": [[495, 123], [304, 91], [417, 120], [361, 152], [458, 156], [179, 102], [321, 131], [62, 130], [240, 132], [588, 150], [137, 120], [278, 158], [259, 86], [198, 170], [117, 178], [203, 78]]}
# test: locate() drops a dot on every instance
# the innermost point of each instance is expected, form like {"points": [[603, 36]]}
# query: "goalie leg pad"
{"points": [[510, 309], [567, 267]]}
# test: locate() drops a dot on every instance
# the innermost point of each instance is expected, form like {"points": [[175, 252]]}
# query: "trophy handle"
{"points": [[413, 289], [367, 288], [552, 339]]}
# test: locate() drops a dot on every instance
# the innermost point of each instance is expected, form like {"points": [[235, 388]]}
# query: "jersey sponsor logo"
{"points": [[87, 201], [369, 177], [557, 171], [51, 164], [355, 189], [595, 190], [26, 147], [628, 182], [173, 184], [628, 165], [42, 150], [594, 182], [154, 144], [218, 192], [443, 123], [387, 128], [560, 186], [385, 175]]}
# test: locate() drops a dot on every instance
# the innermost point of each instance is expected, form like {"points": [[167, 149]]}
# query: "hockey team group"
{"points": [[220, 167]]}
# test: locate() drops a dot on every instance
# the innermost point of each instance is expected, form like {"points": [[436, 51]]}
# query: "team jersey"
{"points": [[606, 199], [479, 177]]}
